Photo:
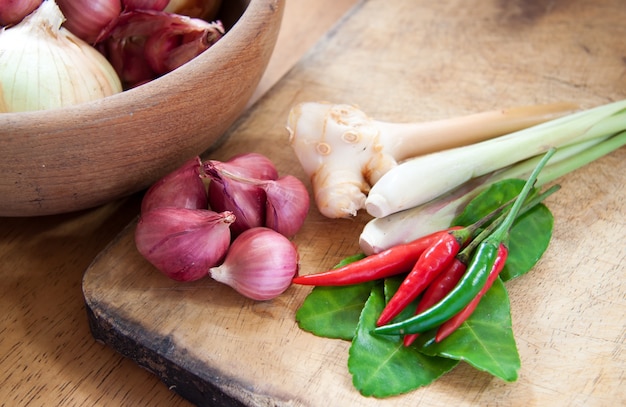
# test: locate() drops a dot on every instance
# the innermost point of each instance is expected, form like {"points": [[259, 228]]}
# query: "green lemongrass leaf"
{"points": [[421, 179], [333, 312], [401, 227], [381, 366], [485, 340], [530, 234]]}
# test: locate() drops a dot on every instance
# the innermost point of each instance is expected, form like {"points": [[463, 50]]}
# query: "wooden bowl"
{"points": [[78, 157]]}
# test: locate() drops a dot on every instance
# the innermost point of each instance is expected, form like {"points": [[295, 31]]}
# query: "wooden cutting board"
{"points": [[407, 60]]}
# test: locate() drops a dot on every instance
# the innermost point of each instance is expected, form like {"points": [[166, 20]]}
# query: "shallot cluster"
{"points": [[230, 220], [144, 39]]}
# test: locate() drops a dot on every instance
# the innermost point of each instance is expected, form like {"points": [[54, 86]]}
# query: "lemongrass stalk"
{"points": [[407, 140], [344, 152], [424, 178], [402, 227]]}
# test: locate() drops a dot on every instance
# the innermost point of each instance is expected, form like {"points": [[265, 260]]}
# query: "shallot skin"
{"points": [[252, 165], [182, 188], [287, 205], [157, 5], [87, 18], [245, 200], [13, 11], [260, 264], [145, 44], [183, 243]]}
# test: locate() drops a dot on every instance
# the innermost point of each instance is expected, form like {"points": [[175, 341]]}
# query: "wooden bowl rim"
{"points": [[50, 167]]}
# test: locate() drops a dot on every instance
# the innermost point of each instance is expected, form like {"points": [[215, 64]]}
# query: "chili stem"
{"points": [[450, 277], [476, 275], [500, 234], [533, 201]]}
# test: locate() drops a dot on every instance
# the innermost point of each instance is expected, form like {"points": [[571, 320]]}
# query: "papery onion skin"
{"points": [[287, 205], [157, 5], [260, 264], [140, 43], [87, 18], [45, 66], [183, 243], [246, 201], [182, 188], [174, 46], [249, 165], [13, 11]]}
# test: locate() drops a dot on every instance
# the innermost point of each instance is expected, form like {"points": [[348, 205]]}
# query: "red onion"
{"points": [[145, 44], [87, 18], [246, 201], [13, 11], [178, 44], [157, 5], [260, 264], [183, 243], [182, 188]]}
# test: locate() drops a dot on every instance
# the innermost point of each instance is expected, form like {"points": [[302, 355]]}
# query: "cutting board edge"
{"points": [[186, 384], [112, 328], [110, 332]]}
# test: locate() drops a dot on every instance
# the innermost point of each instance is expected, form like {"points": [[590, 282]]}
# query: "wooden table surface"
{"points": [[47, 354], [407, 60]]}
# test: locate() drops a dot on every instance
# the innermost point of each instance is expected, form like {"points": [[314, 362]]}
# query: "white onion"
{"points": [[45, 66]]}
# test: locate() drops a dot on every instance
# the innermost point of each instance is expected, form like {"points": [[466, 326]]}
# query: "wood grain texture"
{"points": [[411, 60], [51, 159], [301, 28], [48, 356]]}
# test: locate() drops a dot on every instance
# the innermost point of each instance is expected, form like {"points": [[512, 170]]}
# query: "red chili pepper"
{"points": [[452, 324], [438, 289], [434, 260], [396, 260], [447, 280]]}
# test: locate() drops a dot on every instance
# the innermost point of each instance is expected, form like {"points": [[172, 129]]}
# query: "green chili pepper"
{"points": [[474, 278], [451, 325], [436, 260], [466, 289]]}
